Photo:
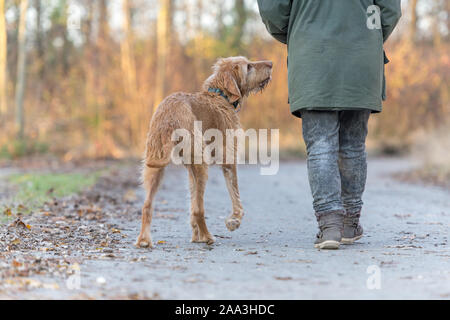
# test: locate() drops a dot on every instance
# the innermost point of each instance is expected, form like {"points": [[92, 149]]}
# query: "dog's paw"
{"points": [[210, 240], [206, 239], [143, 243], [233, 224]]}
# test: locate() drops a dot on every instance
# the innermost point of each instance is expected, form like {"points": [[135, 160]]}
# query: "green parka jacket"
{"points": [[335, 50]]}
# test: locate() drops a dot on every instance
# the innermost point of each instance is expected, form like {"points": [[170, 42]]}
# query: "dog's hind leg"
{"points": [[198, 175], [234, 220], [151, 178]]}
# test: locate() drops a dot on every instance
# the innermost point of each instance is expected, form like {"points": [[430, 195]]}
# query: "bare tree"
{"points": [[39, 38], [65, 36], [103, 34], [87, 26], [447, 9], [436, 9], [21, 68], [241, 16], [127, 55], [129, 72], [414, 18], [220, 24], [164, 30], [3, 58]]}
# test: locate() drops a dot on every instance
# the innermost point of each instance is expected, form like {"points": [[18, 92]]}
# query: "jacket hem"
{"points": [[296, 110]]}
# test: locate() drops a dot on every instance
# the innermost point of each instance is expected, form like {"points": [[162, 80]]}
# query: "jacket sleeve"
{"points": [[275, 15], [390, 15]]}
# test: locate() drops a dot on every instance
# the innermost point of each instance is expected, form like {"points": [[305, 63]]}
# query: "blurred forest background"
{"points": [[81, 78]]}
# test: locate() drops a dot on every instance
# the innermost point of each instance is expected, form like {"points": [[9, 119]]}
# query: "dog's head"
{"points": [[238, 77]]}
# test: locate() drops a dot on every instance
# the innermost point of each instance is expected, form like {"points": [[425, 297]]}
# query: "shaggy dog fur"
{"points": [[237, 77]]}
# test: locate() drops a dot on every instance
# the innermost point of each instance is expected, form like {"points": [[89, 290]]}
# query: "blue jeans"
{"points": [[337, 164]]}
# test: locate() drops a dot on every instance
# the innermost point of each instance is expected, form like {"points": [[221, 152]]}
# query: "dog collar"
{"points": [[222, 94]]}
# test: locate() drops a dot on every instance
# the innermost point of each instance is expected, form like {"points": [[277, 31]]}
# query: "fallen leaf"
{"points": [[7, 212], [222, 237], [15, 241], [283, 278], [18, 224], [16, 263]]}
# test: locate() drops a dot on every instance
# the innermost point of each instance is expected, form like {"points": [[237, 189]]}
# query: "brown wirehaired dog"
{"points": [[215, 106]]}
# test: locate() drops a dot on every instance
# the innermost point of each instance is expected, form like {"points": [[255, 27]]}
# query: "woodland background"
{"points": [[81, 78]]}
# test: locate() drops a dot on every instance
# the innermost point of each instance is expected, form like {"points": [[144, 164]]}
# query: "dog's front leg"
{"points": [[234, 220]]}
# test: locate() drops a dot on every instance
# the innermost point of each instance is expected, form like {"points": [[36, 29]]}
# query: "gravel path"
{"points": [[404, 254]]}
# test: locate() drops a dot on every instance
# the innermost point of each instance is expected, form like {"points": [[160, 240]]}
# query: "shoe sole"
{"points": [[328, 244], [350, 240]]}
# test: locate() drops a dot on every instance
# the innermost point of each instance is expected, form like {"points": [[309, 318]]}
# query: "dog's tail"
{"points": [[156, 156], [157, 151]]}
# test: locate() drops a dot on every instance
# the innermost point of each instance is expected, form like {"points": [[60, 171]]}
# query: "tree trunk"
{"points": [[414, 18], [39, 39], [241, 20], [132, 100], [103, 33], [436, 10], [101, 60], [163, 49], [66, 41], [221, 26], [21, 69], [127, 56], [3, 58], [87, 26], [447, 9]]}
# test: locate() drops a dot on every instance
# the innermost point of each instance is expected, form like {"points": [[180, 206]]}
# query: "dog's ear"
{"points": [[231, 86], [224, 78]]}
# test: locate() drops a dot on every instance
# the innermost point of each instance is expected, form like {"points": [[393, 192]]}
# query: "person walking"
{"points": [[336, 80]]}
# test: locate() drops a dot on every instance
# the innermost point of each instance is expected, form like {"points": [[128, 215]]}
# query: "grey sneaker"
{"points": [[352, 229], [330, 234]]}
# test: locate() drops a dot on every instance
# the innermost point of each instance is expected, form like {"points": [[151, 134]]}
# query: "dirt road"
{"points": [[404, 254]]}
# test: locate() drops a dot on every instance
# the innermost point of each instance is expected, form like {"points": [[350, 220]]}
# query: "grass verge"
{"points": [[31, 191]]}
